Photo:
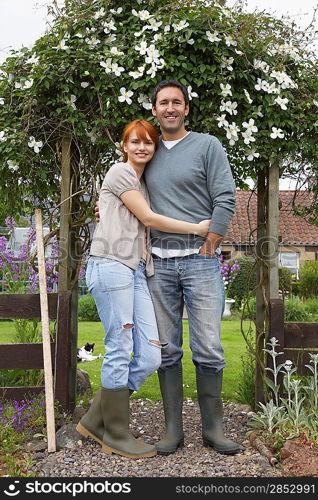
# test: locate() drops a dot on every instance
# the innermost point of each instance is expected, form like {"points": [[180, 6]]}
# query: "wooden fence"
{"points": [[30, 355], [296, 340]]}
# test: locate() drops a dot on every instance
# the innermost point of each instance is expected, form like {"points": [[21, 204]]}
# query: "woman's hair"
{"points": [[142, 128]]}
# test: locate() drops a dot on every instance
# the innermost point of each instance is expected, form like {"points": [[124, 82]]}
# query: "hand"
{"points": [[204, 227], [96, 210], [212, 242]]}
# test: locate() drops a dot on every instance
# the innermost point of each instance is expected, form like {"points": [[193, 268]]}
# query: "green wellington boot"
{"points": [[171, 388], [209, 388], [117, 437], [92, 424]]}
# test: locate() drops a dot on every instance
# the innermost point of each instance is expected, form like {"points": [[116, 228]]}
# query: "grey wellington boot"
{"points": [[171, 387], [117, 437], [92, 424], [209, 388]]}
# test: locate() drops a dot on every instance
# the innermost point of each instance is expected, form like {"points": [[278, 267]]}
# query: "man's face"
{"points": [[170, 110]]}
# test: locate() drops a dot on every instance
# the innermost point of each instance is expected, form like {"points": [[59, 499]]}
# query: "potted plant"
{"points": [[229, 272]]}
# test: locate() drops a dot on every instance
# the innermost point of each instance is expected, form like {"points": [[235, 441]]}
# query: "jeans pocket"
{"points": [[113, 275]]}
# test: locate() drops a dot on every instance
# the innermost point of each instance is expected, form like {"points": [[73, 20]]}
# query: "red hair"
{"points": [[142, 129]]}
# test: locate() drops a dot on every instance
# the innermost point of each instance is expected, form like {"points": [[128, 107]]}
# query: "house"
{"points": [[298, 239]]}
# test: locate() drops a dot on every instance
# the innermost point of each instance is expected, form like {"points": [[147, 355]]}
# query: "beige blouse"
{"points": [[119, 235]]}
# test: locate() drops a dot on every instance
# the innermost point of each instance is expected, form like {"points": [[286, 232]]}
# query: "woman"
{"points": [[120, 262]]}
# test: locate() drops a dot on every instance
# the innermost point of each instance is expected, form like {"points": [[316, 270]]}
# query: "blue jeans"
{"points": [[197, 281], [126, 310]]}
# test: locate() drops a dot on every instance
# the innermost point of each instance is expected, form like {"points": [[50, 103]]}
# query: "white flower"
{"points": [[71, 101], [262, 65], [281, 101], [110, 38], [79, 35], [61, 45], [231, 133], [226, 89], [32, 60], [109, 26], [84, 85], [277, 132], [222, 121], [191, 94], [99, 13], [262, 85], [157, 36], [190, 41], [152, 55], [116, 52], [283, 79], [13, 165], [250, 125], [213, 37], [180, 25], [117, 69], [118, 11], [251, 154], [152, 70], [142, 14], [36, 145], [3, 137], [248, 137], [229, 40], [153, 25], [167, 28], [144, 101], [229, 107], [107, 65], [272, 89], [125, 95], [26, 84], [92, 135], [137, 74], [1, 101], [142, 47], [227, 63], [248, 97], [92, 42]]}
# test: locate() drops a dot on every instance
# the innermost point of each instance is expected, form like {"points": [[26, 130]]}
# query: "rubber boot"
{"points": [[171, 388], [209, 388], [92, 424], [117, 437]]}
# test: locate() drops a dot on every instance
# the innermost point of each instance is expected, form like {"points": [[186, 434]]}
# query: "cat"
{"points": [[85, 353]]}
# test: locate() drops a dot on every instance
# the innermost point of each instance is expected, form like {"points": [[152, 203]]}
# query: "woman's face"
{"points": [[139, 151]]}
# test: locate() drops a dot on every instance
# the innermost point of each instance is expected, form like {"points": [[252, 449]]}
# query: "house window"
{"points": [[291, 261]]}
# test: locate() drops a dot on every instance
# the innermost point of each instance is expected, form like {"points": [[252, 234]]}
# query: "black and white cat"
{"points": [[85, 353]]}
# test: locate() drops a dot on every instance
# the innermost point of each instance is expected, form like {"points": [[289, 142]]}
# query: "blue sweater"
{"points": [[191, 181]]}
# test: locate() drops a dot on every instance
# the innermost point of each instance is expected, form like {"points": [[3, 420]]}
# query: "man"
{"points": [[189, 178]]}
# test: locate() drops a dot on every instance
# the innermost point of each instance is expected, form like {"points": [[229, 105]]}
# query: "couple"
{"points": [[190, 185]]}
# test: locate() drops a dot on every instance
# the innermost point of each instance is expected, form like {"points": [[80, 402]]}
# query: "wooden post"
{"points": [[261, 280], [67, 263], [46, 341], [273, 231]]}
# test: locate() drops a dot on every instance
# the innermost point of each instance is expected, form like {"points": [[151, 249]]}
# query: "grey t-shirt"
{"points": [[119, 235]]}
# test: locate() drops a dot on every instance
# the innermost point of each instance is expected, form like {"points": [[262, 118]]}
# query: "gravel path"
{"points": [[193, 460]]}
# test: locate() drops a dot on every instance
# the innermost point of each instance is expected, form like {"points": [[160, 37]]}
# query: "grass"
{"points": [[232, 341]]}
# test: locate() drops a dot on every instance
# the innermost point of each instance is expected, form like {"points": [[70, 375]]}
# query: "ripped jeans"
{"points": [[125, 308]]}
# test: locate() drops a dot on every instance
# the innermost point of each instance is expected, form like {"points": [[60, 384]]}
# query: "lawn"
{"points": [[232, 341]]}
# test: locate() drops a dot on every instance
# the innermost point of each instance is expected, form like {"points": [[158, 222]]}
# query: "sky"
{"points": [[23, 21]]}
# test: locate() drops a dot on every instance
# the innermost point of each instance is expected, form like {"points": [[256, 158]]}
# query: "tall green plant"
{"points": [[308, 284]]}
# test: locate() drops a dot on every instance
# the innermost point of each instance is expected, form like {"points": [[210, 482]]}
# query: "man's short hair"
{"points": [[169, 83]]}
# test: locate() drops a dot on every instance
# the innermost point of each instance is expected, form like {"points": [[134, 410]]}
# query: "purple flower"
{"points": [[10, 223]]}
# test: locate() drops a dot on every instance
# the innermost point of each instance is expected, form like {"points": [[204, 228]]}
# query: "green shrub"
{"points": [[295, 310], [245, 280], [87, 310], [308, 284]]}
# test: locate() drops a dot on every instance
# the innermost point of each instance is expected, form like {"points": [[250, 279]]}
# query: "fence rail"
{"points": [[30, 355]]}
